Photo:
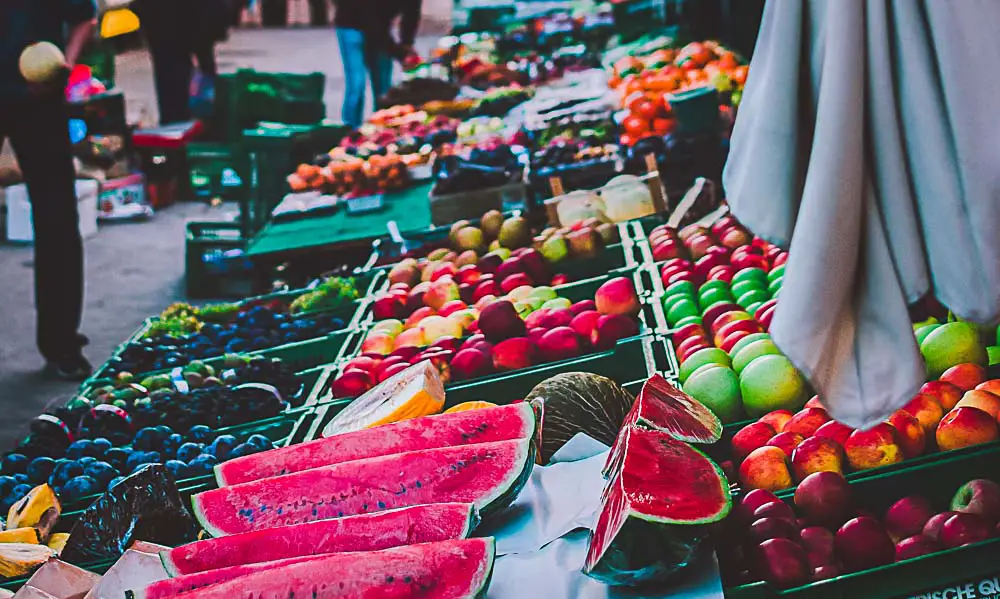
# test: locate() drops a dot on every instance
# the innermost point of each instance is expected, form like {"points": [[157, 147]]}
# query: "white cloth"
{"points": [[868, 140]]}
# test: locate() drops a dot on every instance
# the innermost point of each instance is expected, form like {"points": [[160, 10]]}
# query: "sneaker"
{"points": [[70, 368]]}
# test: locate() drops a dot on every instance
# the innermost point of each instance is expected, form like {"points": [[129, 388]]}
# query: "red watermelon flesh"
{"points": [[663, 407], [516, 421], [188, 583], [488, 475], [457, 569], [654, 510], [365, 532]]}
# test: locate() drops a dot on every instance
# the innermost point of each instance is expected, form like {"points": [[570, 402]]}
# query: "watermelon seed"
{"points": [[381, 505], [417, 484], [407, 579], [280, 510], [389, 579]]}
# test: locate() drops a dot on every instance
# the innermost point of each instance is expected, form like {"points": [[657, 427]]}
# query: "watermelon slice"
{"points": [[663, 407], [173, 587], [457, 569], [489, 475], [515, 421], [366, 532], [655, 509]]}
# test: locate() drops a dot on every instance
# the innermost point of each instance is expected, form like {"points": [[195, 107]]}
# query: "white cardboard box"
{"points": [[19, 225]]}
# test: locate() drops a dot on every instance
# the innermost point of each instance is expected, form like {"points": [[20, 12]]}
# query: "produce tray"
{"points": [[974, 564], [629, 363]]}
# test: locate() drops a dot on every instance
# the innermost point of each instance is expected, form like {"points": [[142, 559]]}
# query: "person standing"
{"points": [[177, 31], [36, 121], [367, 47]]}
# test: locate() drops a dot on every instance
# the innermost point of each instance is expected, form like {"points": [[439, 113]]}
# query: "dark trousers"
{"points": [[38, 130], [172, 71]]}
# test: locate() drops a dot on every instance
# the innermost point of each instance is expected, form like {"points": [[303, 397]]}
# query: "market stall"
{"points": [[519, 348]]}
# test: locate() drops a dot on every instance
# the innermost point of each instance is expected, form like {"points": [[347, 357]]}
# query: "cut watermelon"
{"points": [[663, 407], [446, 570], [516, 421], [414, 392], [655, 510], [173, 587], [366, 532], [489, 475]]}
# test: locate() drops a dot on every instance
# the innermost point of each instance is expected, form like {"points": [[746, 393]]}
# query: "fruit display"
{"points": [[184, 334], [418, 91], [471, 169], [943, 416], [348, 175], [498, 101], [823, 533], [527, 326], [397, 130]]}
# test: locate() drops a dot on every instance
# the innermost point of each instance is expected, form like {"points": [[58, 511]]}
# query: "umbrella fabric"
{"points": [[868, 142]]}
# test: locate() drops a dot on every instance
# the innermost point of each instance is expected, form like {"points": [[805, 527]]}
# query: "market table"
{"points": [[409, 208]]}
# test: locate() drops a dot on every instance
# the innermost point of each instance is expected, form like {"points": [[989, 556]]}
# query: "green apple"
{"points": [[747, 274], [681, 309], [752, 297], [775, 285], [686, 287], [558, 303], [687, 320], [755, 349], [776, 273], [993, 353], [542, 294], [771, 383], [752, 308], [718, 388], [714, 296], [670, 301], [710, 285], [924, 330], [708, 355], [745, 341], [951, 344]]}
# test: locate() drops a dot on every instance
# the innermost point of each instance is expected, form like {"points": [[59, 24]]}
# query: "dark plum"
{"points": [[14, 463], [40, 469], [80, 487], [102, 472]]}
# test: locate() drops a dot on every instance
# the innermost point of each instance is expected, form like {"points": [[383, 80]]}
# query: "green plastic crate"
{"points": [[921, 577], [218, 170], [247, 97], [206, 244]]}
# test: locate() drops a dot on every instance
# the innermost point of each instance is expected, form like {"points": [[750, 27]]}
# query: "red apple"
{"points": [[915, 546], [862, 543], [979, 496], [932, 530], [782, 563], [907, 517], [963, 529], [824, 498]]}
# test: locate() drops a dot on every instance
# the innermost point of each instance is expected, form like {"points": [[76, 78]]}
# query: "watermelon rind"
{"points": [[459, 569], [188, 583], [633, 543], [501, 423], [403, 526], [226, 510]]}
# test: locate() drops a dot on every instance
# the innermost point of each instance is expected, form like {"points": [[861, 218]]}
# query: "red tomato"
{"points": [[647, 109], [636, 126], [663, 126]]}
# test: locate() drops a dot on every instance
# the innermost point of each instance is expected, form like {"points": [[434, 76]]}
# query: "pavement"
{"points": [[134, 270]]}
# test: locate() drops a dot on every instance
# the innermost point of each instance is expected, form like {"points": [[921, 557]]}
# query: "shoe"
{"points": [[73, 367]]}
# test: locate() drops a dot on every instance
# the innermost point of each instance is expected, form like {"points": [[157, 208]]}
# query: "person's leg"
{"points": [[380, 71], [205, 54], [352, 53], [172, 71], [40, 137]]}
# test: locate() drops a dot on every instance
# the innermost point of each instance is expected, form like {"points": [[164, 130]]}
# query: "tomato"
{"points": [[632, 84], [647, 109], [728, 61], [632, 101], [636, 126], [663, 126], [739, 75]]}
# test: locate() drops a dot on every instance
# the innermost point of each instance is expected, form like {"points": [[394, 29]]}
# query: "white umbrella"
{"points": [[868, 140]]}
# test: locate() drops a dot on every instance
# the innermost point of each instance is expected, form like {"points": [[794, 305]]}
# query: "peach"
{"points": [[513, 354], [724, 331], [560, 343], [443, 269], [351, 383], [410, 338], [777, 419], [817, 454], [382, 372], [732, 339], [452, 307], [436, 327], [872, 448], [693, 329], [499, 321], [992, 386], [766, 468], [464, 318], [469, 364], [806, 421], [750, 438], [786, 442], [689, 346], [405, 272], [617, 296], [418, 315], [387, 306], [964, 376], [585, 322], [965, 427], [945, 393], [724, 318], [610, 328], [835, 431], [378, 344], [926, 409], [814, 402], [910, 434], [487, 288], [984, 400], [390, 327], [583, 306]]}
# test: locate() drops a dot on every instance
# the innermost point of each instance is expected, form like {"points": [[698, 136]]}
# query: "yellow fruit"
{"points": [[414, 392], [41, 62], [20, 535], [58, 541], [38, 509], [470, 405], [19, 559]]}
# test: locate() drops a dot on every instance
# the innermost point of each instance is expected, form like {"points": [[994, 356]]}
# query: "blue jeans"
{"points": [[359, 61]]}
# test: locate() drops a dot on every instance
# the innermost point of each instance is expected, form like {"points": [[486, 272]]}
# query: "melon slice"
{"points": [[20, 535], [654, 510], [366, 532], [458, 569], [187, 583], [133, 570], [663, 407], [416, 391], [19, 559], [488, 475], [63, 580], [516, 421], [38, 509]]}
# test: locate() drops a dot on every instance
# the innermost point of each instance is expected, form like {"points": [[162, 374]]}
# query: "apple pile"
{"points": [[959, 410], [826, 535], [527, 326]]}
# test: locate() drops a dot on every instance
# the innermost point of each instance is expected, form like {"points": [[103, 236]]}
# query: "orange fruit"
{"points": [[470, 405]]}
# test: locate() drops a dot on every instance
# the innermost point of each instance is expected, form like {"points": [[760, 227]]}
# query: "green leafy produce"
{"points": [[331, 293]]}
